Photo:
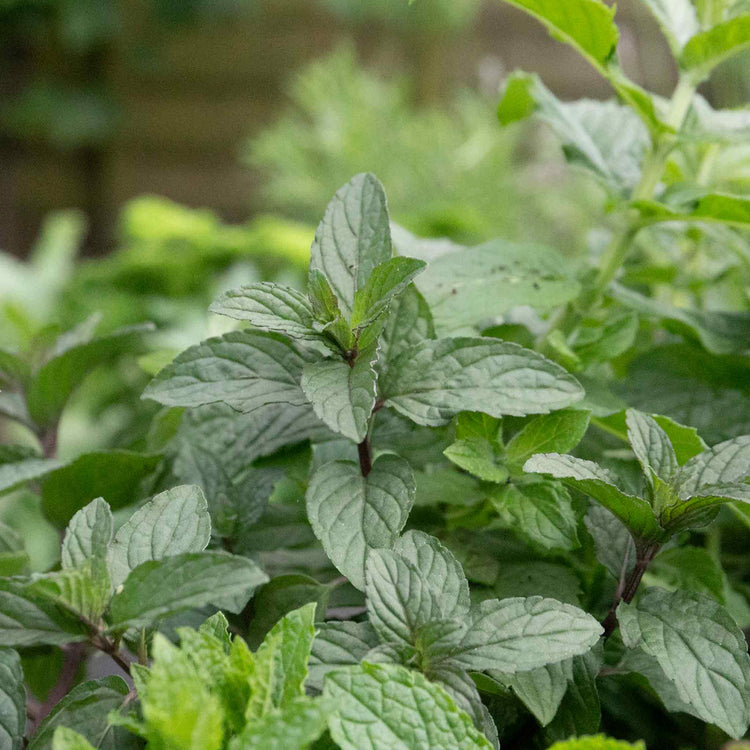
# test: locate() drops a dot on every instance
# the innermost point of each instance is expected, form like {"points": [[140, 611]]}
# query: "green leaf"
{"points": [[280, 596], [14, 559], [84, 710], [596, 482], [352, 514], [678, 20], [114, 475], [606, 139], [596, 742], [580, 711], [27, 619], [685, 440], [173, 523], [71, 361], [541, 690], [724, 463], [382, 706], [158, 588], [12, 701], [244, 369], [701, 507], [18, 468], [340, 644], [14, 371], [517, 634], [435, 380], [615, 548], [539, 511], [478, 447], [84, 590], [386, 282], [68, 739], [722, 208], [538, 577], [270, 307], [295, 727], [280, 664], [353, 238], [587, 25], [342, 395], [700, 649], [325, 306], [689, 569], [558, 432], [473, 284], [651, 445], [443, 575], [408, 323], [88, 534], [402, 597], [719, 332], [708, 48], [597, 341]]}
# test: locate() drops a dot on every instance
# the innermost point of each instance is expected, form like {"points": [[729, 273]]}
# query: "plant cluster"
{"points": [[424, 502]]}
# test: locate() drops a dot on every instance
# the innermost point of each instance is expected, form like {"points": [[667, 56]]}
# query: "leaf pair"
{"points": [[675, 497], [421, 615], [156, 565]]}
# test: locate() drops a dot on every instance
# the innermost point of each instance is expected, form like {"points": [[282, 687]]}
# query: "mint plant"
{"points": [[443, 497]]}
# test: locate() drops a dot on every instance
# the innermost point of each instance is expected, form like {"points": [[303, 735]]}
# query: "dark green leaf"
{"points": [[12, 701]]}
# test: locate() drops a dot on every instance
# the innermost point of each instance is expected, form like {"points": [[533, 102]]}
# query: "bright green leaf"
{"points": [[708, 48], [381, 706], [558, 432]]}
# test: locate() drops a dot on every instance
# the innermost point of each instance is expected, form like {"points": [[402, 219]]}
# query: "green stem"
{"points": [[651, 174]]}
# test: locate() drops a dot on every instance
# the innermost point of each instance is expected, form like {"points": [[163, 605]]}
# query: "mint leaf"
{"points": [[115, 475], [353, 238], [587, 25], [295, 727], [17, 468], [71, 361], [174, 522], [244, 369], [726, 462], [158, 588], [67, 739], [84, 590], [84, 710], [280, 663], [387, 706], [325, 306], [708, 48], [352, 514], [270, 307], [478, 457], [517, 634], [386, 282], [598, 742], [479, 283], [606, 139], [685, 440], [651, 445], [541, 690], [26, 619], [558, 432], [88, 534], [408, 323], [615, 548], [591, 479], [435, 380], [342, 395], [442, 572], [14, 559], [539, 511], [12, 700], [700, 649], [340, 644]]}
